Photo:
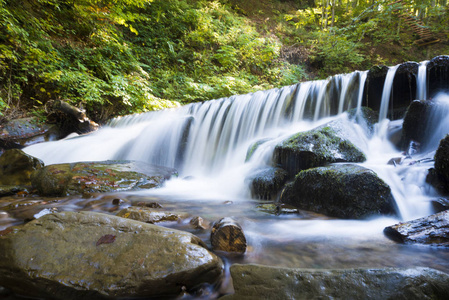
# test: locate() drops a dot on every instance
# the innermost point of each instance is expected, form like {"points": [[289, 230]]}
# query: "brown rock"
{"points": [[228, 236]]}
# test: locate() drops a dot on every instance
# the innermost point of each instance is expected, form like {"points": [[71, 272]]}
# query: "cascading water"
{"points": [[208, 142], [421, 84]]}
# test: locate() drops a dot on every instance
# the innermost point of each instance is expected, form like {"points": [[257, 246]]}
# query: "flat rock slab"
{"points": [[431, 230], [105, 176], [263, 282], [86, 255], [148, 215]]}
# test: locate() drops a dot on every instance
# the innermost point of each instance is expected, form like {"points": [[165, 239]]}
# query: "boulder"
{"points": [[16, 167], [415, 123], [431, 230], [267, 183], [147, 215], [263, 282], [318, 147], [86, 255], [341, 190], [105, 176]]}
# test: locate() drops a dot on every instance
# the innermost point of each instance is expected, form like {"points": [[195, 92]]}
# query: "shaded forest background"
{"points": [[115, 57]]}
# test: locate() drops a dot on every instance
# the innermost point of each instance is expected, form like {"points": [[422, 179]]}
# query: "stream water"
{"points": [[208, 143]]}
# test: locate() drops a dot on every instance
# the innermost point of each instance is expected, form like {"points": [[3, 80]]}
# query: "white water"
{"points": [[209, 141], [421, 84]]}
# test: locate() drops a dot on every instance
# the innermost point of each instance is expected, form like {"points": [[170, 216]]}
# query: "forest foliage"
{"points": [[116, 57]]}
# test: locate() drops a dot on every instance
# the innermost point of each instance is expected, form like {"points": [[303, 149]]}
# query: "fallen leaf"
{"points": [[106, 239], [6, 231]]}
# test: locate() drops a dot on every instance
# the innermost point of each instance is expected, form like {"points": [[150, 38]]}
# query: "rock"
{"points": [[342, 190], [438, 75], [263, 282], [267, 183], [442, 165], [228, 236], [431, 230], [92, 177], [415, 126], [314, 148], [440, 204], [147, 215], [198, 223], [18, 133], [253, 148], [90, 255], [118, 201], [366, 117], [16, 167]]}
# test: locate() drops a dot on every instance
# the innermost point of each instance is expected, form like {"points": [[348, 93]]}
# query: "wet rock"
{"points": [[118, 201], [18, 133], [90, 255], [440, 204], [438, 75], [366, 117], [403, 87], [147, 215], [342, 190], [267, 183], [198, 223], [431, 230], [263, 282], [16, 167], [441, 176], [415, 126], [94, 177], [314, 148], [228, 236], [254, 147], [7, 190]]}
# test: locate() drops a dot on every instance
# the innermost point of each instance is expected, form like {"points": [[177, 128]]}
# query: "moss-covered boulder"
{"points": [[430, 230], [253, 282], [266, 183], [105, 176], [16, 167], [90, 255], [315, 148], [341, 190]]}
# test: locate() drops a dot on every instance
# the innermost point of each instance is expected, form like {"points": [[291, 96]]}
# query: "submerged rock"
{"points": [[16, 167], [267, 183], [105, 176], [341, 190], [263, 282], [431, 230], [314, 148], [90, 255]]}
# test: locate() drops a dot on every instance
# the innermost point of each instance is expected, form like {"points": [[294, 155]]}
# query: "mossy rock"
{"points": [[314, 148], [98, 177], [16, 167], [342, 191]]}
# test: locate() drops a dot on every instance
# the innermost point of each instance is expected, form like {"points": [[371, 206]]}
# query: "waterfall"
{"points": [[386, 93], [210, 140], [421, 84]]}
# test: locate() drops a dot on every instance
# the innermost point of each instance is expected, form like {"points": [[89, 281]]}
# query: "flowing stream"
{"points": [[208, 143]]}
